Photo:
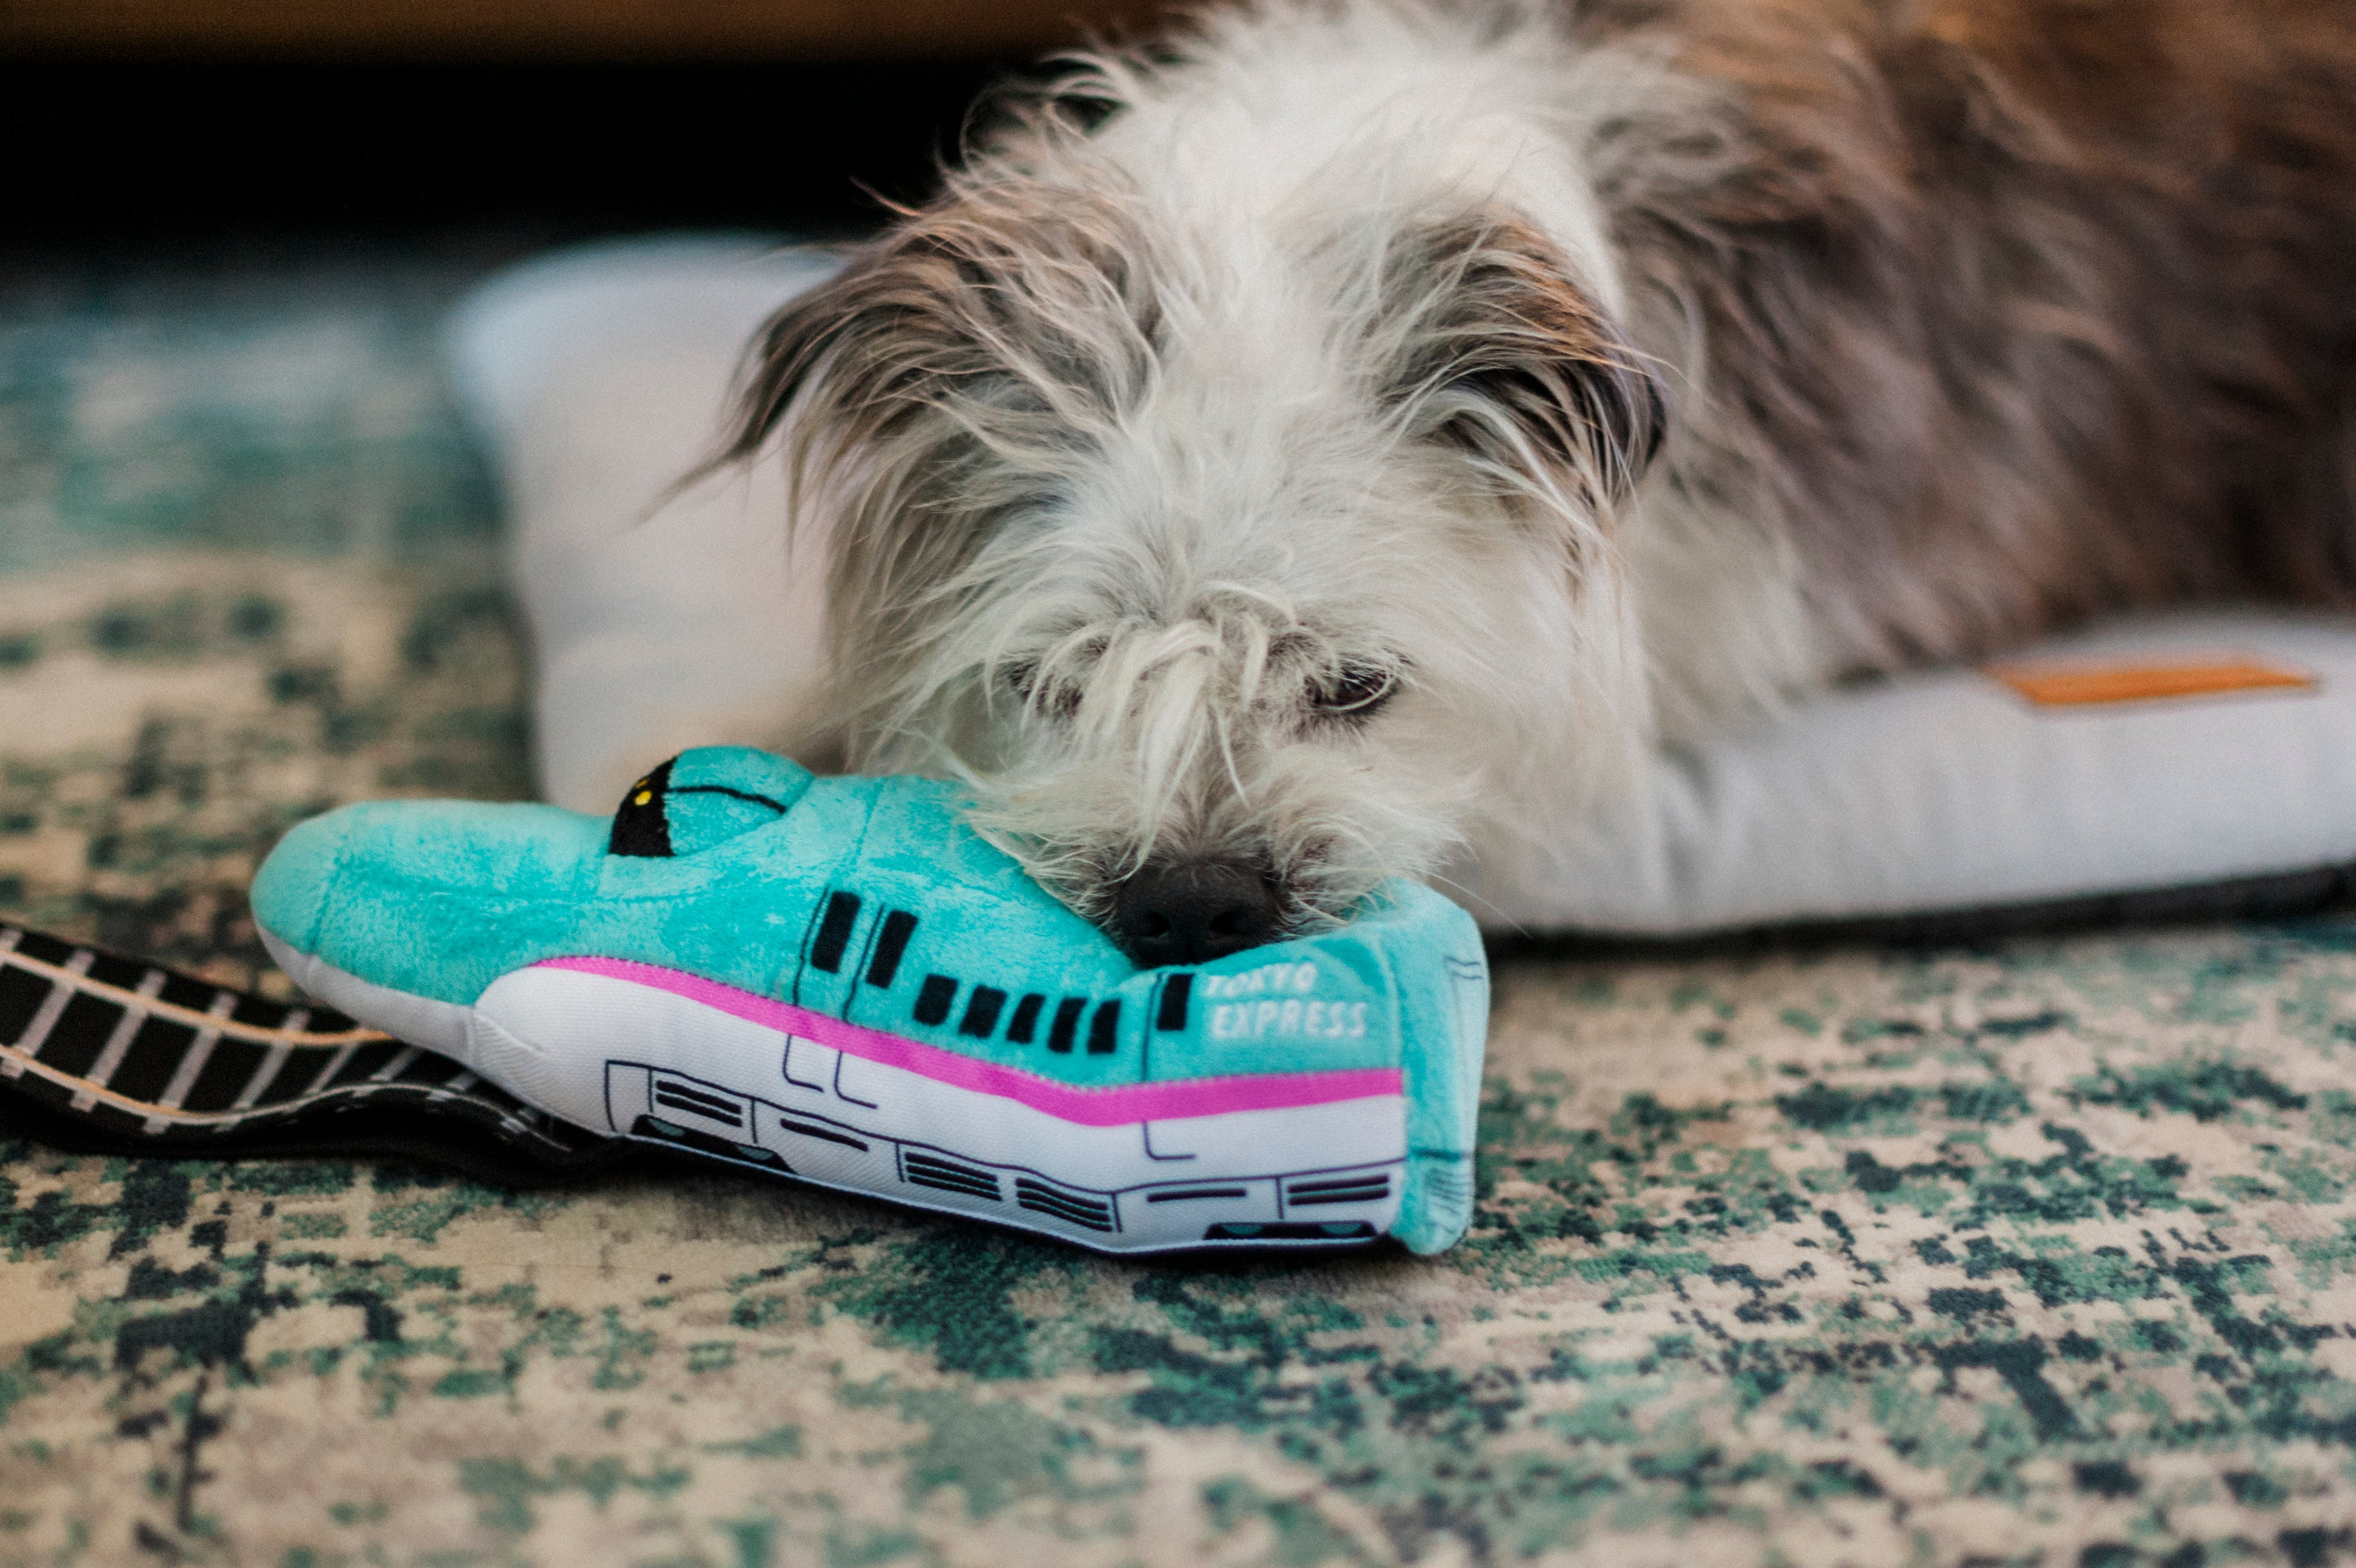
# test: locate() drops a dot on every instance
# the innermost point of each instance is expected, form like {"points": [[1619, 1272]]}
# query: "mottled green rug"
{"points": [[2043, 1253]]}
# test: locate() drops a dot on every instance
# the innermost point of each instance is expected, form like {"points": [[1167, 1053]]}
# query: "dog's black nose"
{"points": [[1193, 911]]}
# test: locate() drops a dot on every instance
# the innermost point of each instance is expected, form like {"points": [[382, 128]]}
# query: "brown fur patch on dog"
{"points": [[2022, 309]]}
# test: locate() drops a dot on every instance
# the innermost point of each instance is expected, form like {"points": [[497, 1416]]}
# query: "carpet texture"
{"points": [[2039, 1253]]}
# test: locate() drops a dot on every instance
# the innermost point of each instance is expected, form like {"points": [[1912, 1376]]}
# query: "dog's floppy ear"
{"points": [[1023, 307], [853, 360], [935, 387], [1498, 351], [858, 384]]}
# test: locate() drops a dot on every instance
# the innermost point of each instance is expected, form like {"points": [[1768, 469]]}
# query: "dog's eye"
{"points": [[1356, 693]]}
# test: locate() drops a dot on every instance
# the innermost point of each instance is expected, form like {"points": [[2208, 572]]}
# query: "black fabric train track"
{"points": [[101, 1054]]}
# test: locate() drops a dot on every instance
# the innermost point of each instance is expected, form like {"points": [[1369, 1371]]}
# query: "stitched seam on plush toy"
{"points": [[744, 795]]}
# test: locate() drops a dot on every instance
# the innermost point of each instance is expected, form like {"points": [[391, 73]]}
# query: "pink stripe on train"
{"points": [[1122, 1105]]}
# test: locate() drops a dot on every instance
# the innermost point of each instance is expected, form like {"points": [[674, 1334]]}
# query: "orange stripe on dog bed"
{"points": [[2093, 685]]}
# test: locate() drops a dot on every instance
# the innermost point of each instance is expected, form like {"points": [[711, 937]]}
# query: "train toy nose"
{"points": [[1194, 911]]}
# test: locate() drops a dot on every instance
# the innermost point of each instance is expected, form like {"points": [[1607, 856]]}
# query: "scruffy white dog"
{"points": [[1358, 428]]}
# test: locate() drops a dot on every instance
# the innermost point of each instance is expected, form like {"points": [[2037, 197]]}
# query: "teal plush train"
{"points": [[836, 980]]}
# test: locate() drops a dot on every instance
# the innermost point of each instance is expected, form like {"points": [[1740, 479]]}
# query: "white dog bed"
{"points": [[2212, 755]]}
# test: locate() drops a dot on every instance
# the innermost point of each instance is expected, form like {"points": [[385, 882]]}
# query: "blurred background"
{"points": [[193, 122]]}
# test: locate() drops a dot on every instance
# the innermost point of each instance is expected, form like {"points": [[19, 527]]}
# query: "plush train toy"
{"points": [[836, 980]]}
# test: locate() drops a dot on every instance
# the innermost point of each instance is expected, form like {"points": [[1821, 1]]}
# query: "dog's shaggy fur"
{"points": [[1362, 426]]}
